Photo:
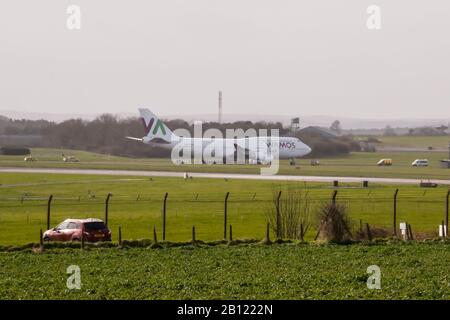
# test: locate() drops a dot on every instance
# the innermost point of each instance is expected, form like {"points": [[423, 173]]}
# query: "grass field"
{"points": [[408, 271], [356, 164], [136, 204], [415, 142]]}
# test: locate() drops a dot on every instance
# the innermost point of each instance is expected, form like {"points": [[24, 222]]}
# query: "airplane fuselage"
{"points": [[289, 147], [255, 149]]}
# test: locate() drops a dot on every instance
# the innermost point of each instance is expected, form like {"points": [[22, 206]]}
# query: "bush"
{"points": [[334, 223], [335, 146], [376, 233], [14, 151]]}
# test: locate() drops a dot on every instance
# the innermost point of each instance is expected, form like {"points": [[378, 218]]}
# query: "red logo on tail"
{"points": [[149, 126]]}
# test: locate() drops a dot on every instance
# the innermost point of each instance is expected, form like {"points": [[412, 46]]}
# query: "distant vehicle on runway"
{"points": [[159, 135], [428, 184], [29, 159], [420, 163], [384, 162], [93, 230], [69, 158]]}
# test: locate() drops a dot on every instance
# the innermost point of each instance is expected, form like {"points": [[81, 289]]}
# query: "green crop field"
{"points": [[136, 205], [358, 164], [288, 271]]}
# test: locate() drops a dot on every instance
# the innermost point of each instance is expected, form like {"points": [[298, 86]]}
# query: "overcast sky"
{"points": [[285, 57]]}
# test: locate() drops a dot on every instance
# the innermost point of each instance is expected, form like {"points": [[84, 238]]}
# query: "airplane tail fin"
{"points": [[154, 127]]}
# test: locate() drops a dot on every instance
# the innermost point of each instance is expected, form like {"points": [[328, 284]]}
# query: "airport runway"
{"points": [[220, 175]]}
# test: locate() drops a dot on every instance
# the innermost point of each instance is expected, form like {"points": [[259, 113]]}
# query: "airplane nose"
{"points": [[308, 149]]}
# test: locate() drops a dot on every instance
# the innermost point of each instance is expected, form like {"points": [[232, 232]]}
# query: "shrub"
{"points": [[14, 151], [334, 223]]}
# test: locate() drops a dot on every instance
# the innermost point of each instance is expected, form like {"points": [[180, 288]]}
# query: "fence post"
{"points": [[49, 203], [225, 209], [193, 234], [369, 233], [120, 235], [231, 233], [443, 230], [155, 239], [278, 222], [407, 231], [164, 216], [395, 213], [333, 200], [41, 240], [447, 208], [107, 207], [266, 239], [410, 232]]}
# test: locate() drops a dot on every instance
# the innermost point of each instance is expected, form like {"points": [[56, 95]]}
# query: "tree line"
{"points": [[106, 134]]}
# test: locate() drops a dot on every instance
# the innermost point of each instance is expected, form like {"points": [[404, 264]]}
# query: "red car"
{"points": [[71, 230]]}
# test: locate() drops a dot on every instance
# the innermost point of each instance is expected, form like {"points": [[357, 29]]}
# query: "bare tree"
{"points": [[289, 214]]}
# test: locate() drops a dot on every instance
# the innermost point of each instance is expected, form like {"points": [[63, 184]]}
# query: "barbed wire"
{"points": [[41, 202], [212, 196]]}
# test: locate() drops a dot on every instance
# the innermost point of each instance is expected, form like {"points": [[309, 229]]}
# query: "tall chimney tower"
{"points": [[220, 107]]}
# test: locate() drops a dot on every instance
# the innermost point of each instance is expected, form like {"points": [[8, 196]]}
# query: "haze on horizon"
{"points": [[268, 57]]}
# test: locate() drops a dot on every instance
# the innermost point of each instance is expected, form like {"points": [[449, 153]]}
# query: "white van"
{"points": [[420, 163]]}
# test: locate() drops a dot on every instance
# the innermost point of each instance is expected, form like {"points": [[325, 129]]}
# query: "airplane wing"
{"points": [[136, 139]]}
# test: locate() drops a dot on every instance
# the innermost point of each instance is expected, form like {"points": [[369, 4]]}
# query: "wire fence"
{"points": [[424, 209]]}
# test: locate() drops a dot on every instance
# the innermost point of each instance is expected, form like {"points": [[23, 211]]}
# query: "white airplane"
{"points": [[159, 135]]}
